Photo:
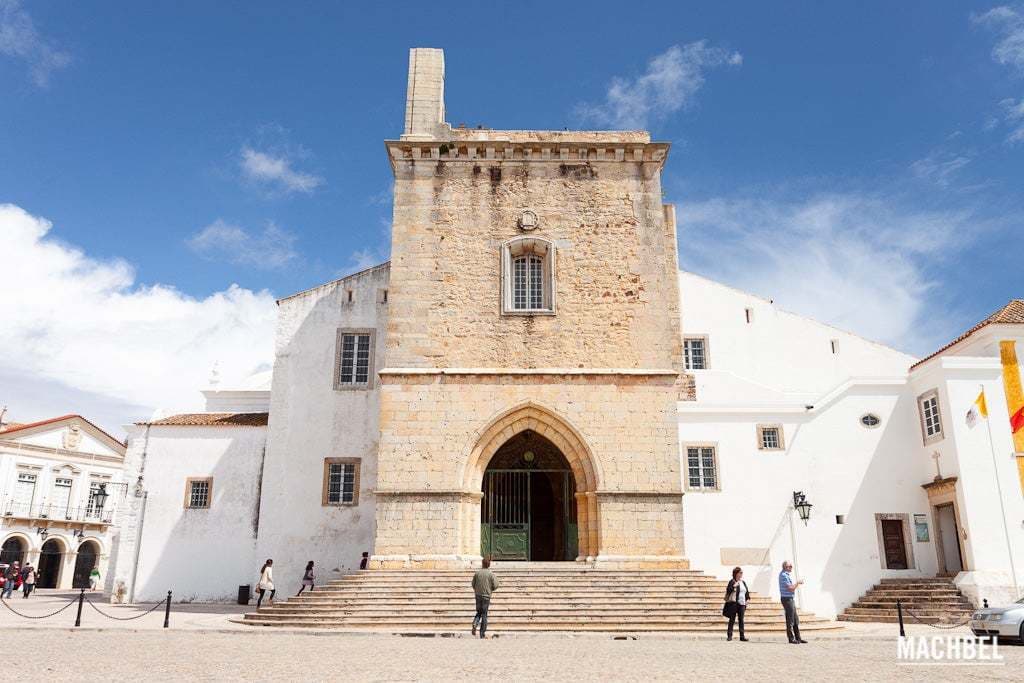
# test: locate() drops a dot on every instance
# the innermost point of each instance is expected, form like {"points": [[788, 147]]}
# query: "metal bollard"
{"points": [[81, 599], [167, 611], [899, 613]]}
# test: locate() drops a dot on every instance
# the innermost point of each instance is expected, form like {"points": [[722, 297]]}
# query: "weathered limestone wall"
{"points": [[602, 373], [615, 266]]}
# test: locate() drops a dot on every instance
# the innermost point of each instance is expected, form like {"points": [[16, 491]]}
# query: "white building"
{"points": [[62, 483], [288, 469]]}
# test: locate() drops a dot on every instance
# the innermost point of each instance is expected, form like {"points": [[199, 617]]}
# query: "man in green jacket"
{"points": [[484, 583]]}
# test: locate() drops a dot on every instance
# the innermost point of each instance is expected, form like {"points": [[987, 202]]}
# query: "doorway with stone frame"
{"points": [[528, 509]]}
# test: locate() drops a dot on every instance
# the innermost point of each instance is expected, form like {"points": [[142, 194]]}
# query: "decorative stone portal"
{"points": [[528, 510]]}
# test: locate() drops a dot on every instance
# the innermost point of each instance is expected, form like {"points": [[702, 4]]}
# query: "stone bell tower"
{"points": [[533, 291]]}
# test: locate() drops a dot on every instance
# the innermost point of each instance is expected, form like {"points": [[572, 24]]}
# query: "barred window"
{"points": [[354, 359], [198, 492], [769, 437], [702, 467], [341, 481], [695, 353], [528, 276]]}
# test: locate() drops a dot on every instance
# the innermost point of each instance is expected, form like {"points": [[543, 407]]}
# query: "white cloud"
{"points": [[88, 332], [1008, 23], [361, 259], [20, 39], [940, 166], [270, 249], [276, 172], [671, 81], [856, 261]]}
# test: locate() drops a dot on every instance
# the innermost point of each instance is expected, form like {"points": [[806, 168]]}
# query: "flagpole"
{"points": [[999, 491]]}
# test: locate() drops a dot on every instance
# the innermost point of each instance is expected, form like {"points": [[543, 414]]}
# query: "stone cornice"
{"points": [[31, 449], [940, 486], [498, 151], [634, 372]]}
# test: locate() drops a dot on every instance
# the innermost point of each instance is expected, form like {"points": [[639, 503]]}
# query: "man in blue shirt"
{"points": [[787, 588]]}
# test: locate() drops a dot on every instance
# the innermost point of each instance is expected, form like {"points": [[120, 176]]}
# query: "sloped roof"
{"points": [[212, 420], [99, 431], [1010, 314]]}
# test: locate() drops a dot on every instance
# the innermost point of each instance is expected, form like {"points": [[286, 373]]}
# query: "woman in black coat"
{"points": [[736, 597]]}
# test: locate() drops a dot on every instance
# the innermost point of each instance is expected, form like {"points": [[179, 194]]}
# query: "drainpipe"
{"points": [[142, 519]]}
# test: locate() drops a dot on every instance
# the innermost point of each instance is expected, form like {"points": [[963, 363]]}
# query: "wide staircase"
{"points": [[529, 599], [929, 601]]}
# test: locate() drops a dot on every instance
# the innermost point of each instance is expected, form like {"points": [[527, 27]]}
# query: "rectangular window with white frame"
{"points": [[353, 359], [24, 493], [528, 285], [341, 481], [770, 437], [702, 467], [695, 353], [198, 492], [931, 417], [60, 501], [93, 509]]}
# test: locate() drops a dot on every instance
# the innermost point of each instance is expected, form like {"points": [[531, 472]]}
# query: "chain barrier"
{"points": [[38, 616], [152, 609], [938, 626]]}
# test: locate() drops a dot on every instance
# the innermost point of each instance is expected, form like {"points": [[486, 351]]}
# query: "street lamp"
{"points": [[802, 507], [43, 533], [101, 496]]}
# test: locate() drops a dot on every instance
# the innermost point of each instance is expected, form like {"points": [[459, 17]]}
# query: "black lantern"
{"points": [[101, 495], [43, 533], [802, 507]]}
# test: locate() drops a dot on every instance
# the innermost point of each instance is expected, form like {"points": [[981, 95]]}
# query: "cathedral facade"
{"points": [[531, 378]]}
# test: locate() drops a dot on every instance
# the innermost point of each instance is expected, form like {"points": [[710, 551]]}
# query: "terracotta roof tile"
{"points": [[1010, 314], [212, 420]]}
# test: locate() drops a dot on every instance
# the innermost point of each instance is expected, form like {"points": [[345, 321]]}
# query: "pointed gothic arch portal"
{"points": [[528, 509]]}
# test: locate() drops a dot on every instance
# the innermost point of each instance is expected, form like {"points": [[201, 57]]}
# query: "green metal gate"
{"points": [[505, 514]]}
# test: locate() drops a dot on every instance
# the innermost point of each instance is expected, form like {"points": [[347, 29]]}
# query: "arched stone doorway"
{"points": [[13, 550], [51, 559], [528, 509], [498, 443], [88, 556]]}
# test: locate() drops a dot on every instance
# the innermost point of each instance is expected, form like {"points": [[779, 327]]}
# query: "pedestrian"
{"points": [[11, 577], [787, 589], [736, 596], [307, 579], [266, 583], [484, 583], [28, 583], [365, 561], [94, 578]]}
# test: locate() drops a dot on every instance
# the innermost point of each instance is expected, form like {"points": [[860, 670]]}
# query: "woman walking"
{"points": [[266, 583], [736, 597], [29, 581], [307, 579], [94, 577]]}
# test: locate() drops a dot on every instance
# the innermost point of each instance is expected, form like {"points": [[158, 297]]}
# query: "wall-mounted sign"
{"points": [[921, 528]]}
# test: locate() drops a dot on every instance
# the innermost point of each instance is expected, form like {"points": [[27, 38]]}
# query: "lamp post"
{"points": [[803, 508]]}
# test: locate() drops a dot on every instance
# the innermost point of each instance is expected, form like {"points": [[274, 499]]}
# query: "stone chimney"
{"points": [[424, 99]]}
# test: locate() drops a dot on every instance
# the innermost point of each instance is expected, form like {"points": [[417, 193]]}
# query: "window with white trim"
{"points": [[528, 276], [931, 420], [61, 499], [353, 362], [695, 355], [341, 481], [702, 467], [92, 508], [24, 492]]}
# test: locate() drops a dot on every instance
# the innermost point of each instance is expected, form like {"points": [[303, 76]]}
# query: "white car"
{"points": [[1007, 622]]}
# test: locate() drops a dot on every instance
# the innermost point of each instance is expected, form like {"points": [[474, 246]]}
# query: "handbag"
{"points": [[729, 610]]}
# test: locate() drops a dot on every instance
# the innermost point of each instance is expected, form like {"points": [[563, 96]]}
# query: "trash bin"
{"points": [[243, 594]]}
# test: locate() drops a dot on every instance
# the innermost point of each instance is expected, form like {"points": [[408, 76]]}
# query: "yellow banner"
{"points": [[1014, 398]]}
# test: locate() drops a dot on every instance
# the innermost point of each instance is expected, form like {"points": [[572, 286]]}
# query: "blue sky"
{"points": [[173, 167]]}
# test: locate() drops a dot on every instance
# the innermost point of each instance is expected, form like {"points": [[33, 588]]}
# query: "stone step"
{"points": [[444, 628], [893, 619], [513, 618], [516, 610], [525, 601]]}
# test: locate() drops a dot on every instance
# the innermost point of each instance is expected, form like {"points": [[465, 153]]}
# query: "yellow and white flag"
{"points": [[978, 410]]}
